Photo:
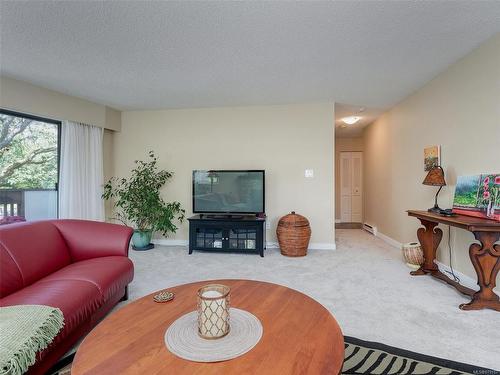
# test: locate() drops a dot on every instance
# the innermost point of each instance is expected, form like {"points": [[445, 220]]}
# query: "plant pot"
{"points": [[141, 240]]}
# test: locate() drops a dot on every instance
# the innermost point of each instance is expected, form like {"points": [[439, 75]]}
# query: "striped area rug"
{"points": [[370, 358], [365, 357]]}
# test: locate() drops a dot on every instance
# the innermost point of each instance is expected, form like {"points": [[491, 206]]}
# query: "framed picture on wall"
{"points": [[432, 157], [478, 196]]}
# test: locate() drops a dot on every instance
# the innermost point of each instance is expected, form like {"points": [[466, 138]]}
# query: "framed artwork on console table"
{"points": [[478, 195]]}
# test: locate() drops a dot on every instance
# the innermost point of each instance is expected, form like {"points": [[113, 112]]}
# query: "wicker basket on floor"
{"points": [[413, 255], [293, 234]]}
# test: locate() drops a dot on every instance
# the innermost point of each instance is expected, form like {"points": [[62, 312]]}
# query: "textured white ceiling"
{"points": [[146, 55]]}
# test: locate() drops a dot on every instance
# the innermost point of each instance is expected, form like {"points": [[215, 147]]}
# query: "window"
{"points": [[29, 167]]}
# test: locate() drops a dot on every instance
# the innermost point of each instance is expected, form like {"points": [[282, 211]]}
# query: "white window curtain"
{"points": [[81, 172]]}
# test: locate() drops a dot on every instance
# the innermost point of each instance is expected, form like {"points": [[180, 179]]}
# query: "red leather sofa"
{"points": [[81, 267]]}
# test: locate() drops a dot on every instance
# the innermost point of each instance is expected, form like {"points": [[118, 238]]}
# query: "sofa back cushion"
{"points": [[10, 276], [36, 249]]}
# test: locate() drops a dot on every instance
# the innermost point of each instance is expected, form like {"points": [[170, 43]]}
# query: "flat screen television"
{"points": [[229, 192]]}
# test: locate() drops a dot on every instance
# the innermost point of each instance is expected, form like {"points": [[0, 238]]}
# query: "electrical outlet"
{"points": [[268, 225], [309, 173]]}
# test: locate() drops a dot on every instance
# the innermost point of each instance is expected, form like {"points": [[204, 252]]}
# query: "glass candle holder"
{"points": [[213, 311]]}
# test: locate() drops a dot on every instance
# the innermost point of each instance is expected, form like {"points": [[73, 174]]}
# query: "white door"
{"points": [[357, 187], [345, 187], [351, 187]]}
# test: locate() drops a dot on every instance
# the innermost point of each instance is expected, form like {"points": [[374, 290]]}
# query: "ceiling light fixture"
{"points": [[351, 120]]}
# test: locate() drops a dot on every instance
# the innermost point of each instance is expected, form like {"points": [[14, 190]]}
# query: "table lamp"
{"points": [[435, 177]]}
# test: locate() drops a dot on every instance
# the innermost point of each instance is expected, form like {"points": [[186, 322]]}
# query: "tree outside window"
{"points": [[28, 166]]}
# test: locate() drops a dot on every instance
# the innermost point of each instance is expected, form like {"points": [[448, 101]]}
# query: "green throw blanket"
{"points": [[24, 331]]}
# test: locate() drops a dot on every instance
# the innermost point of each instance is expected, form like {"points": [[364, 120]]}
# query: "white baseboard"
{"points": [[465, 280], [312, 246], [389, 240], [269, 245], [167, 242]]}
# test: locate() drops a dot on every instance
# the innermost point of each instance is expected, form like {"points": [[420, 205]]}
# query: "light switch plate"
{"points": [[309, 173]]}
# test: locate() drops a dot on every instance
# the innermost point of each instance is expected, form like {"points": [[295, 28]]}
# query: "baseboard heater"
{"points": [[370, 228]]}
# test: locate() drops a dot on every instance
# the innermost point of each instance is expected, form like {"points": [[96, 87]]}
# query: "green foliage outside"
{"points": [[28, 153], [137, 200]]}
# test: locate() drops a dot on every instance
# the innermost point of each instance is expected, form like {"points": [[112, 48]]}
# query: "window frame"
{"points": [[9, 112]]}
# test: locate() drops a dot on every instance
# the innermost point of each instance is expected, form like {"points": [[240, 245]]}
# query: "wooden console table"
{"points": [[484, 256]]}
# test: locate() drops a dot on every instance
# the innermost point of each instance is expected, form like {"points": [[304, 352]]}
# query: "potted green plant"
{"points": [[137, 201]]}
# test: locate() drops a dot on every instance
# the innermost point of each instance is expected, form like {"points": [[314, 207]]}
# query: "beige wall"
{"points": [[459, 110], [24, 97], [283, 140], [343, 145]]}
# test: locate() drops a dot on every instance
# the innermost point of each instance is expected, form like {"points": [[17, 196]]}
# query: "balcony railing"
{"points": [[28, 204]]}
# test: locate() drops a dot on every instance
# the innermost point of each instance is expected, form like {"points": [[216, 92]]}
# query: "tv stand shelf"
{"points": [[227, 233]]}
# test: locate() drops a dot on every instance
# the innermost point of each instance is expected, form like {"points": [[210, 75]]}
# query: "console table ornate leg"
{"points": [[429, 238], [486, 260]]}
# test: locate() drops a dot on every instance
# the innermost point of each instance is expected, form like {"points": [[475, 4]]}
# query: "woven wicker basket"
{"points": [[293, 234], [413, 255]]}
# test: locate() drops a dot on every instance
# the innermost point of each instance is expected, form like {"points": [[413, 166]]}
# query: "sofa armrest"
{"points": [[92, 239]]}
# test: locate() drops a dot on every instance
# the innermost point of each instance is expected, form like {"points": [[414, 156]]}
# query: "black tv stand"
{"points": [[227, 233]]}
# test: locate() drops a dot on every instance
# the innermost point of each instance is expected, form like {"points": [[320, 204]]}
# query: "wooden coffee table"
{"points": [[300, 335]]}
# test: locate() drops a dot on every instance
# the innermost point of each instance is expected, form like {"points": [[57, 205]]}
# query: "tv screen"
{"points": [[225, 191]]}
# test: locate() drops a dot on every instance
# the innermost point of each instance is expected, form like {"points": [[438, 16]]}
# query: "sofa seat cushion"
{"points": [[108, 274], [77, 299]]}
